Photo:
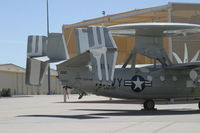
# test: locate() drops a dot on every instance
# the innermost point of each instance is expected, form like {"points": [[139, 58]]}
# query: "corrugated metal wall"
{"points": [[186, 13], [124, 44], [173, 12]]}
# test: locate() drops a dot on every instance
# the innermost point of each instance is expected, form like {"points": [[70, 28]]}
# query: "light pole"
{"points": [[49, 71]]}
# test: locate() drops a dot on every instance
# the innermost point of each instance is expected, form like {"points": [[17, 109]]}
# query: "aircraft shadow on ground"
{"points": [[64, 116], [129, 101], [106, 113], [114, 112], [108, 102]]}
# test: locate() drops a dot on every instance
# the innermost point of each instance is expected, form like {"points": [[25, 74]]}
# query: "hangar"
{"points": [[171, 12], [13, 77]]}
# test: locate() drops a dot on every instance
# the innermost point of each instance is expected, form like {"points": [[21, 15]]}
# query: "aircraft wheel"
{"points": [[149, 105]]}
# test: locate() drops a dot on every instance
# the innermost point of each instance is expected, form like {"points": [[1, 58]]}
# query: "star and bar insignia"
{"points": [[137, 83]]}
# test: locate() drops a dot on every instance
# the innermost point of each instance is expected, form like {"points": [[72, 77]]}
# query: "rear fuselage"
{"points": [[138, 83]]}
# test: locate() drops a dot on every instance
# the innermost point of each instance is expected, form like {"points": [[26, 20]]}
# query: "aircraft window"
{"points": [[162, 78], [193, 75], [149, 78], [174, 78]]}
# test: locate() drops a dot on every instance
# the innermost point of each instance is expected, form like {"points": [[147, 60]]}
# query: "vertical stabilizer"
{"points": [[42, 50], [35, 72], [56, 48], [37, 46], [98, 40]]}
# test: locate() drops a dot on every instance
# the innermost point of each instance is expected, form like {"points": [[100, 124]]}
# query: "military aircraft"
{"points": [[93, 69]]}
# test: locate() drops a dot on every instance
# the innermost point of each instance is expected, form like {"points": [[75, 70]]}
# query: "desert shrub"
{"points": [[6, 92]]}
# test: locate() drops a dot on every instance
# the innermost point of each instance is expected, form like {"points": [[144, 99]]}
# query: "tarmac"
{"points": [[93, 114]]}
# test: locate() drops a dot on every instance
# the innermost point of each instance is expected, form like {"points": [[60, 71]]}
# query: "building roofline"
{"points": [[23, 69], [184, 3], [123, 15], [117, 16], [11, 64]]}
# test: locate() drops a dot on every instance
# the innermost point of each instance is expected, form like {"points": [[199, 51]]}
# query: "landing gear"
{"points": [[149, 105], [66, 95], [82, 94]]}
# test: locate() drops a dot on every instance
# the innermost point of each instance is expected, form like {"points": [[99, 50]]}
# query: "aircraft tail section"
{"points": [[98, 41], [56, 48], [80, 60], [41, 51], [95, 45], [35, 71], [36, 46]]}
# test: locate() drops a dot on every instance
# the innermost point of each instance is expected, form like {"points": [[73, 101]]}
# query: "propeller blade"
{"points": [[185, 54], [194, 59], [177, 58]]}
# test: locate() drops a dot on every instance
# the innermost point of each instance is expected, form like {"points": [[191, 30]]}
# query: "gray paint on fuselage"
{"points": [[82, 79]]}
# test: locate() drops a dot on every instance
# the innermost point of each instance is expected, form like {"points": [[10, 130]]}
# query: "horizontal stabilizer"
{"points": [[77, 61]]}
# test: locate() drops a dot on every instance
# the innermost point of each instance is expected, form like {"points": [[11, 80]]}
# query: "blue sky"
{"points": [[20, 18]]}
